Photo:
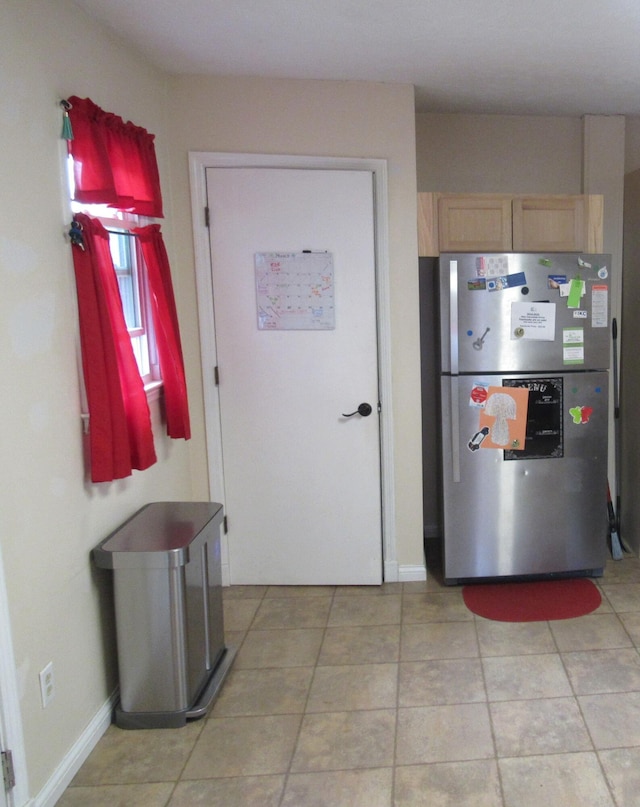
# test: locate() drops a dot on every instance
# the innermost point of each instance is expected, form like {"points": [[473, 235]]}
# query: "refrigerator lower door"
{"points": [[537, 510]]}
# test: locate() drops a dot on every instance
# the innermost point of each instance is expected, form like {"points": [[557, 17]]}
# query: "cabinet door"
{"points": [[549, 224], [478, 223]]}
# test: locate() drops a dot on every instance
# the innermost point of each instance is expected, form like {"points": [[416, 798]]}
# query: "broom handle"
{"points": [[614, 333], [616, 415]]}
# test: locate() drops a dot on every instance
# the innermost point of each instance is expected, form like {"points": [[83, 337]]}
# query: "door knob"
{"points": [[364, 409]]}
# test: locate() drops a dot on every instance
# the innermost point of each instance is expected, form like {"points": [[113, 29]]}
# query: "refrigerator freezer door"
{"points": [[512, 511], [524, 312]]}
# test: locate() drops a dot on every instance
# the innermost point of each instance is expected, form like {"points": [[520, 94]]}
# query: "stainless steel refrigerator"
{"points": [[524, 350]]}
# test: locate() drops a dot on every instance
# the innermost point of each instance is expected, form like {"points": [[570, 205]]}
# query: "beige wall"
{"points": [[508, 153], [498, 153], [321, 118], [50, 517]]}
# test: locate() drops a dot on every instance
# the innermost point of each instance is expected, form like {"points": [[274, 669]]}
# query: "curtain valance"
{"points": [[114, 162]]}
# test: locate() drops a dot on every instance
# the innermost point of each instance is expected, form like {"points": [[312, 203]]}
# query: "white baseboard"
{"points": [[226, 574], [411, 574], [77, 754], [393, 573]]}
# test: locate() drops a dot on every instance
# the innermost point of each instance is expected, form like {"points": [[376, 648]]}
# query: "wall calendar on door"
{"points": [[295, 291]]}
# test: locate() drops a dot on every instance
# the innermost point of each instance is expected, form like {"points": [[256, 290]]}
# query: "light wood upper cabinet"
{"points": [[474, 223], [509, 223], [549, 224]]}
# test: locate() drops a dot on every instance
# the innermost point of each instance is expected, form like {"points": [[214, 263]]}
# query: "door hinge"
{"points": [[207, 219], [216, 376], [225, 525], [8, 773]]}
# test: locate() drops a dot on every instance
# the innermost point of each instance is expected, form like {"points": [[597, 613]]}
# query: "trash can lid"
{"points": [[163, 529]]}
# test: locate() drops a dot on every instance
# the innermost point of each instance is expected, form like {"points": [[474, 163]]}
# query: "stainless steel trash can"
{"points": [[172, 658]]}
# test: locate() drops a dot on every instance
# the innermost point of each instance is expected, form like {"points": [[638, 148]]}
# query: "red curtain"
{"points": [[120, 435], [165, 320], [114, 162]]}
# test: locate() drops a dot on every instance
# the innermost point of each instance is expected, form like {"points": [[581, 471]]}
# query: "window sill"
{"points": [[153, 390]]}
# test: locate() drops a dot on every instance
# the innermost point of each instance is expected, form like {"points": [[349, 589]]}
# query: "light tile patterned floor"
{"points": [[398, 697]]}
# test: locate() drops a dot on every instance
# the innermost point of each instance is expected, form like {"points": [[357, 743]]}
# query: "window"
{"points": [[127, 316], [132, 282], [134, 291]]}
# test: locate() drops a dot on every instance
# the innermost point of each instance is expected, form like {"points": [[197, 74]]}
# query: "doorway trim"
{"points": [[199, 161], [11, 735]]}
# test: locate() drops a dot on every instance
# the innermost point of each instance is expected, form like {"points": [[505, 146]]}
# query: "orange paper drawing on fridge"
{"points": [[505, 415]]}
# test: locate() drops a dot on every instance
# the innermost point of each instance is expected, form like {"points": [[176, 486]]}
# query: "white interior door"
{"points": [[302, 482]]}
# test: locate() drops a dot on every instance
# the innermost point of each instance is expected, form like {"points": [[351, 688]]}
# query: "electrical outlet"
{"points": [[47, 686]]}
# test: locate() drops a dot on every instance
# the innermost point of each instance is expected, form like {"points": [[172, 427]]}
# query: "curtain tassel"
{"points": [[67, 131]]}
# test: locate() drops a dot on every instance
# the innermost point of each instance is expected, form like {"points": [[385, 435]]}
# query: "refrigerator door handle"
{"points": [[455, 429], [453, 316]]}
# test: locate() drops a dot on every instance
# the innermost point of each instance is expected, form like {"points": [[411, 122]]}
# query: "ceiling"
{"points": [[539, 57]]}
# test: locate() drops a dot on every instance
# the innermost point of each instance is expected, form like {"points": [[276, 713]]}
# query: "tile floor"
{"points": [[397, 697]]}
